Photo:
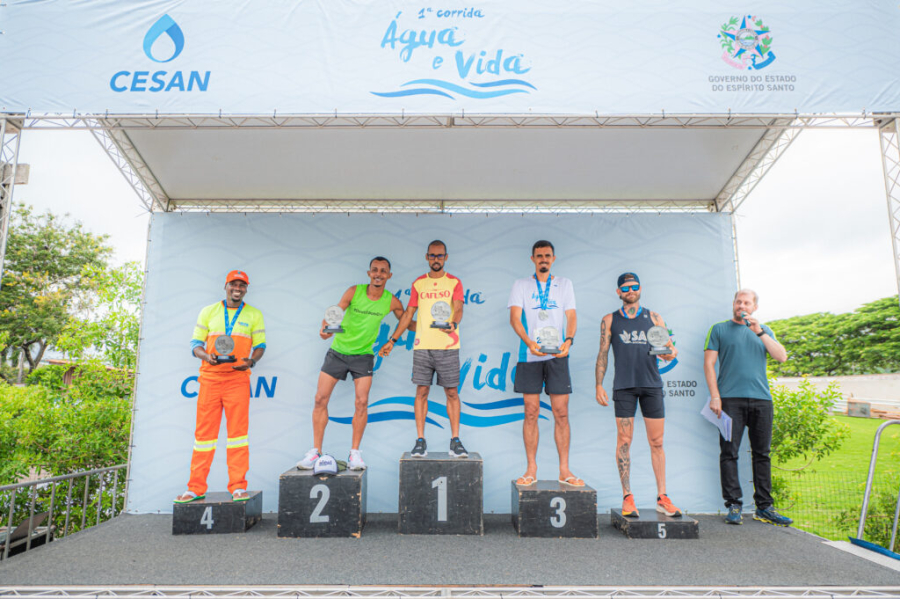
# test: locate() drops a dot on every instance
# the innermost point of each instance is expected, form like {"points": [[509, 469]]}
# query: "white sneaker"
{"points": [[355, 461], [309, 460]]}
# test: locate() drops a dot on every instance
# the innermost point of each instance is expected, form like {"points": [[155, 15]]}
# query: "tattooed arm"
{"points": [[603, 358], [658, 321]]}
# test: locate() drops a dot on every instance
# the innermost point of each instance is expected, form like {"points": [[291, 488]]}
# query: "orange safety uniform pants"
{"points": [[233, 396]]}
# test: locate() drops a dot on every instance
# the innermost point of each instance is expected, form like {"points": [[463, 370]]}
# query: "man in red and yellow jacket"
{"points": [[226, 334]]}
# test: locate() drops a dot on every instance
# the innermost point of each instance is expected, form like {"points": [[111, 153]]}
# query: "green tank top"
{"points": [[361, 322]]}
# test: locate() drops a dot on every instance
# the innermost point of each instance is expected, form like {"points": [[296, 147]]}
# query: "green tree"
{"points": [[44, 280], [113, 323], [865, 341], [803, 425]]}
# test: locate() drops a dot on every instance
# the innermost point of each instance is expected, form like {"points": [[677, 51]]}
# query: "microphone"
{"points": [[744, 315]]}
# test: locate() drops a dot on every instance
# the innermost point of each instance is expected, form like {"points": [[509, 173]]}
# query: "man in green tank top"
{"points": [[365, 306]]}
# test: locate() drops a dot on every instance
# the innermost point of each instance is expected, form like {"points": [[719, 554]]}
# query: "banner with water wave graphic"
{"points": [[299, 264]]}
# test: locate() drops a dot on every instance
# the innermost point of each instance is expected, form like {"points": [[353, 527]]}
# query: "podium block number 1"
{"points": [[323, 493], [440, 484], [558, 520]]}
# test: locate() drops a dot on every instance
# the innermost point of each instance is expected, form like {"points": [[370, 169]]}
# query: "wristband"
{"points": [[761, 333], [394, 341], [571, 340], [455, 324], [252, 363]]}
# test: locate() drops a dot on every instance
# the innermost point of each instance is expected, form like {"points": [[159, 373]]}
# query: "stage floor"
{"points": [[140, 550]]}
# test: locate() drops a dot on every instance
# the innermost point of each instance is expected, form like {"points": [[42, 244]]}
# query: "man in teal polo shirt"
{"points": [[741, 389], [365, 306]]}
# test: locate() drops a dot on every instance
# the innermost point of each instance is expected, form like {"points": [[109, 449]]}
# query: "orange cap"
{"points": [[237, 275]]}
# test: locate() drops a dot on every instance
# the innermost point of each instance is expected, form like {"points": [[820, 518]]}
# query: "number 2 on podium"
{"points": [[440, 484]]}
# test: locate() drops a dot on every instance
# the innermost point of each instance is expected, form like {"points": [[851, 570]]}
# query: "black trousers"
{"points": [[756, 415]]}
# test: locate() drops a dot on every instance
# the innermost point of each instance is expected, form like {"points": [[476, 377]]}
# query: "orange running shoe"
{"points": [[664, 506], [628, 507]]}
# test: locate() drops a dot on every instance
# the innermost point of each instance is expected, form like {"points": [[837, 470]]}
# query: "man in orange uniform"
{"points": [[224, 337]]}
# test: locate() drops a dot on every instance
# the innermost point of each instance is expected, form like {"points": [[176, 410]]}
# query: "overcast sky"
{"points": [[813, 237]]}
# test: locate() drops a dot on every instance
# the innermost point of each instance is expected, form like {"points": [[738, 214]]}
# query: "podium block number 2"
{"points": [[323, 493], [558, 520], [440, 484]]}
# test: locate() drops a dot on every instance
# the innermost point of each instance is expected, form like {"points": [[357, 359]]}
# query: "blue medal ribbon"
{"points": [[543, 296], [230, 326]]}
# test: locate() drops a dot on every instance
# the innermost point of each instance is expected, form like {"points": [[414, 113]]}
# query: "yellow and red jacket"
{"points": [[249, 332]]}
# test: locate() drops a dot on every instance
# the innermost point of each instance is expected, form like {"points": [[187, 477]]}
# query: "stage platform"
{"points": [[141, 550]]}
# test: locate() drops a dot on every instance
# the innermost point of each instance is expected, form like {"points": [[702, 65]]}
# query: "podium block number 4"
{"points": [[323, 493], [207, 518], [558, 520], [440, 484]]}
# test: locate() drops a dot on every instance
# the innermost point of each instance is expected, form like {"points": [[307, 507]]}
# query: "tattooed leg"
{"points": [[625, 430]]}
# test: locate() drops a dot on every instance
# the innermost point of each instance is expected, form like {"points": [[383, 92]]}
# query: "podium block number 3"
{"points": [[323, 493], [440, 484], [558, 520], [206, 518]]}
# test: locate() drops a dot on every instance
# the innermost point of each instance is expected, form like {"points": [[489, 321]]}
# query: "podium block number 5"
{"points": [[661, 530], [558, 520], [440, 484], [323, 493], [206, 518]]}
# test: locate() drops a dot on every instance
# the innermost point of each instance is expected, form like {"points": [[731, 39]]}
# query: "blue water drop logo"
{"points": [[165, 25]]}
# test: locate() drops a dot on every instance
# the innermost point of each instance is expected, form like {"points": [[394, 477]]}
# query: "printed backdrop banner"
{"points": [[299, 264], [388, 57]]}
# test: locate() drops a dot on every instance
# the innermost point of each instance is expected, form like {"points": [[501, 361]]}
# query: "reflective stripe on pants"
{"points": [[232, 396]]}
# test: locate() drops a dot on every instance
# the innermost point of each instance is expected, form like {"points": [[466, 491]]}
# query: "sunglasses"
{"points": [[436, 256], [627, 288]]}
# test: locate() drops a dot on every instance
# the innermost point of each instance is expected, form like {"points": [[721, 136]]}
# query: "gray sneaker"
{"points": [[421, 448], [734, 515]]}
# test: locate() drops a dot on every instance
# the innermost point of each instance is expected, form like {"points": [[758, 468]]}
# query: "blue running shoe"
{"points": [[734, 515], [770, 516]]}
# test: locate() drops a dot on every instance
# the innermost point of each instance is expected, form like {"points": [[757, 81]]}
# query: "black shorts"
{"points": [[651, 398], [338, 365], [551, 376]]}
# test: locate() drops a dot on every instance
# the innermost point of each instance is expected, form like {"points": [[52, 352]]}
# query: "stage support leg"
{"points": [[10, 135], [889, 134]]}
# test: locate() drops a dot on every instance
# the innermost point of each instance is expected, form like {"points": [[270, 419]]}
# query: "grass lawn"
{"points": [[825, 489]]}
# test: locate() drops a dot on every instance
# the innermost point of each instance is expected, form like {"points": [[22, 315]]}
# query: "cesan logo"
{"points": [[163, 43]]}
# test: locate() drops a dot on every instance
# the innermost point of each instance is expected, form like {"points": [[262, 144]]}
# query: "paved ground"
{"points": [[142, 550]]}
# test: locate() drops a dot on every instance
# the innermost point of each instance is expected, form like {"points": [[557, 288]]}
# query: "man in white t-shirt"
{"points": [[537, 302]]}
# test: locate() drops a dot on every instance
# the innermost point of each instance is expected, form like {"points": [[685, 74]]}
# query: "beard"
{"points": [[436, 266], [543, 269]]}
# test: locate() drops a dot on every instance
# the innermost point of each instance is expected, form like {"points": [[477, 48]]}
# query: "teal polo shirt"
{"points": [[742, 360]]}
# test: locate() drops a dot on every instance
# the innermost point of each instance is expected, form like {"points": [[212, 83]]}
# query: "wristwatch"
{"points": [[252, 363], [760, 334], [394, 341]]}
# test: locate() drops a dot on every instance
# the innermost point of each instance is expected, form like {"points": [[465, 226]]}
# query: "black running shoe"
{"points": [[456, 449], [420, 450]]}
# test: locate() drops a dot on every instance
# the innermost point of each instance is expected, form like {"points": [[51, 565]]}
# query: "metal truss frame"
{"points": [[485, 207], [498, 592], [112, 133], [10, 138], [461, 119], [774, 142], [118, 146], [889, 135]]}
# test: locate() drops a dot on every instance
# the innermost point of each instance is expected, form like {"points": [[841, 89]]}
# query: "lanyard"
{"points": [[230, 327], [543, 296]]}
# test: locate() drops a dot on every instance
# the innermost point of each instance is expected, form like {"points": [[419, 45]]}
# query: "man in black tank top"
{"points": [[636, 380]]}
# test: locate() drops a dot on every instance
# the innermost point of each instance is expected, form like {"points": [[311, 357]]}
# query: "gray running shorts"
{"points": [[444, 362]]}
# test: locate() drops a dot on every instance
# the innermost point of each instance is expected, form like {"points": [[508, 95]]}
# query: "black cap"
{"points": [[626, 276]]}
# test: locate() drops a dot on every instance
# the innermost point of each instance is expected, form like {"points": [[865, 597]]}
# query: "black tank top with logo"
{"points": [[635, 367]]}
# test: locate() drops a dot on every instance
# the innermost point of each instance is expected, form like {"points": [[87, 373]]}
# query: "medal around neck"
{"points": [[658, 337], [333, 317], [549, 340], [441, 312], [224, 346]]}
